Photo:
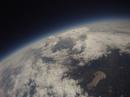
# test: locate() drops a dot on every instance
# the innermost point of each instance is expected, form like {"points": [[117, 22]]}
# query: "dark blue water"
{"points": [[117, 69]]}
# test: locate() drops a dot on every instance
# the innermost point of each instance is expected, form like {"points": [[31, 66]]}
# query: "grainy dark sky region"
{"points": [[22, 21]]}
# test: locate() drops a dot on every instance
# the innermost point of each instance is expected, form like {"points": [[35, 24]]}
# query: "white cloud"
{"points": [[49, 77]]}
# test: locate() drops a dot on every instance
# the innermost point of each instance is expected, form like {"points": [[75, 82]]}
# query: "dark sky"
{"points": [[21, 21]]}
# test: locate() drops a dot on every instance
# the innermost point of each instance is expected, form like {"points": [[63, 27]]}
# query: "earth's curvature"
{"points": [[91, 60]]}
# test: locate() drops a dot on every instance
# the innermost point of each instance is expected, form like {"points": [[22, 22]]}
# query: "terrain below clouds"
{"points": [[89, 60]]}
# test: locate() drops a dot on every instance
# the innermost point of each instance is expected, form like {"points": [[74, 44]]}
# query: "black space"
{"points": [[21, 21]]}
